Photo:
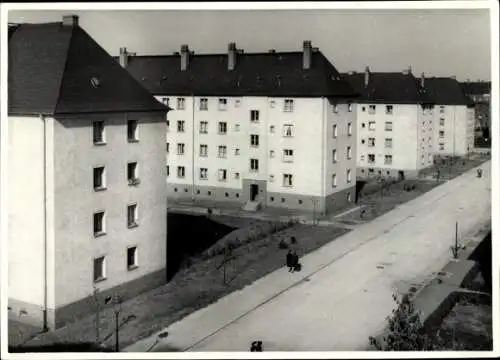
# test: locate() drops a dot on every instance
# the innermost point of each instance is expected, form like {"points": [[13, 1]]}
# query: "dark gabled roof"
{"points": [[476, 88], [59, 69], [389, 87], [277, 74], [446, 91]]}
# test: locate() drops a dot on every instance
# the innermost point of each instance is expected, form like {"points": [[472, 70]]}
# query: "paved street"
{"points": [[346, 287]]}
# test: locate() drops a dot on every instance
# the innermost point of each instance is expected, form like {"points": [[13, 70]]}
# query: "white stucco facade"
{"points": [[393, 138], [304, 152], [454, 131], [70, 204]]}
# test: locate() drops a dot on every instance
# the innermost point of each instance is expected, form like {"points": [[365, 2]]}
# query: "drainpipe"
{"points": [[323, 150], [45, 320], [192, 148]]}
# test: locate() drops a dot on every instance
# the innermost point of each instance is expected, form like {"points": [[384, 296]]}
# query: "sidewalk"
{"points": [[305, 311]]}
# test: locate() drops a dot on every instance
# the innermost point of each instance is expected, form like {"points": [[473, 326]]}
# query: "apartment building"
{"points": [[86, 182], [395, 130], [453, 117], [272, 129], [480, 94]]}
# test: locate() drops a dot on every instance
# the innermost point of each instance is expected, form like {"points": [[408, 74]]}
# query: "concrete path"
{"points": [[343, 293]]}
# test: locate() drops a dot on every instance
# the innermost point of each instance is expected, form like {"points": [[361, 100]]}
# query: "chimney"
{"points": [[306, 55], [367, 76], [453, 77], [407, 71], [422, 80], [231, 56], [70, 20], [123, 57], [184, 57]]}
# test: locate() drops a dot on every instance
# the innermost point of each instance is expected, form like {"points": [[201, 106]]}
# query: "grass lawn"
{"points": [[376, 204], [193, 288], [452, 169]]}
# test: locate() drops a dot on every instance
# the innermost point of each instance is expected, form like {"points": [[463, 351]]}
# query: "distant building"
{"points": [[395, 134], [272, 129], [86, 183], [453, 117], [480, 93]]}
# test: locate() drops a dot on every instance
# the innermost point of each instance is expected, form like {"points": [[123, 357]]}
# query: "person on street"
{"points": [[295, 262], [289, 261]]}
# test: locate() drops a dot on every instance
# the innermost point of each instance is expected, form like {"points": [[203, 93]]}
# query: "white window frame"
{"points": [[101, 138], [288, 155], [254, 140], [348, 176], [181, 172], [222, 174], [203, 127], [254, 116], [388, 143], [220, 126], [335, 130], [271, 153], [272, 129], [349, 129], [287, 180], [335, 108], [132, 131], [334, 180], [386, 159], [388, 126], [102, 215], [348, 152], [334, 156], [371, 161], [203, 174], [389, 109], [372, 109], [181, 126], [288, 130], [135, 221], [135, 264], [203, 150], [102, 178], [441, 134], [222, 104], [370, 127], [254, 165], [222, 151], [349, 107], [134, 178], [371, 142], [181, 147], [102, 270], [288, 105], [203, 104], [181, 103]]}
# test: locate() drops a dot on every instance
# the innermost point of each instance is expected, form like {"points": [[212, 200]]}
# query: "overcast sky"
{"points": [[437, 42]]}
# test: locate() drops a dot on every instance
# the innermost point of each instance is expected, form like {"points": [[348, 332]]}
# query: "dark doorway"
{"points": [[401, 175], [254, 192]]}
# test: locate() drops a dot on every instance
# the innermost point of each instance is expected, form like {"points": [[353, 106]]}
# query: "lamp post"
{"points": [[116, 300]]}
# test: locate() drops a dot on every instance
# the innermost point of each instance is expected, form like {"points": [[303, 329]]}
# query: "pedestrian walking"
{"points": [[296, 263], [289, 260]]}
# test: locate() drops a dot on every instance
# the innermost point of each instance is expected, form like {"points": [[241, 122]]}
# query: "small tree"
{"points": [[406, 331]]}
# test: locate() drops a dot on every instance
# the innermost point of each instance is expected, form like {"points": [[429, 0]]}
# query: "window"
{"points": [[180, 126], [272, 103], [271, 153], [99, 269], [287, 130], [203, 150], [236, 127], [363, 108], [371, 142], [348, 175], [334, 156], [222, 128], [236, 152], [334, 131], [371, 125], [334, 180], [236, 175], [254, 165], [168, 125], [203, 104], [388, 126], [132, 257], [441, 109], [349, 107], [388, 143], [388, 159], [132, 215], [363, 125], [99, 183], [287, 180], [99, 227], [181, 103], [288, 155], [349, 129], [168, 170], [335, 108], [222, 174], [203, 127], [441, 146], [181, 172], [348, 153], [372, 109], [237, 103], [203, 174], [222, 151], [288, 105], [362, 141], [271, 129], [132, 131], [98, 127], [441, 134], [254, 116], [271, 178], [168, 147], [222, 104], [388, 109], [441, 122], [254, 140], [132, 176], [180, 149], [371, 158]]}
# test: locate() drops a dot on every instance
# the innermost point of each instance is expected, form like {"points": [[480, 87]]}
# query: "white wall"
{"points": [[458, 129], [76, 201], [405, 136], [26, 208], [425, 148], [306, 142], [341, 118]]}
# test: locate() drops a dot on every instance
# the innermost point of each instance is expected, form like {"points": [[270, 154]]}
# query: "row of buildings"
{"points": [[88, 177], [286, 129]]}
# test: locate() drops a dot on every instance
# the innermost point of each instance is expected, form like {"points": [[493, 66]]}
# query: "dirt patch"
{"points": [[194, 288]]}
